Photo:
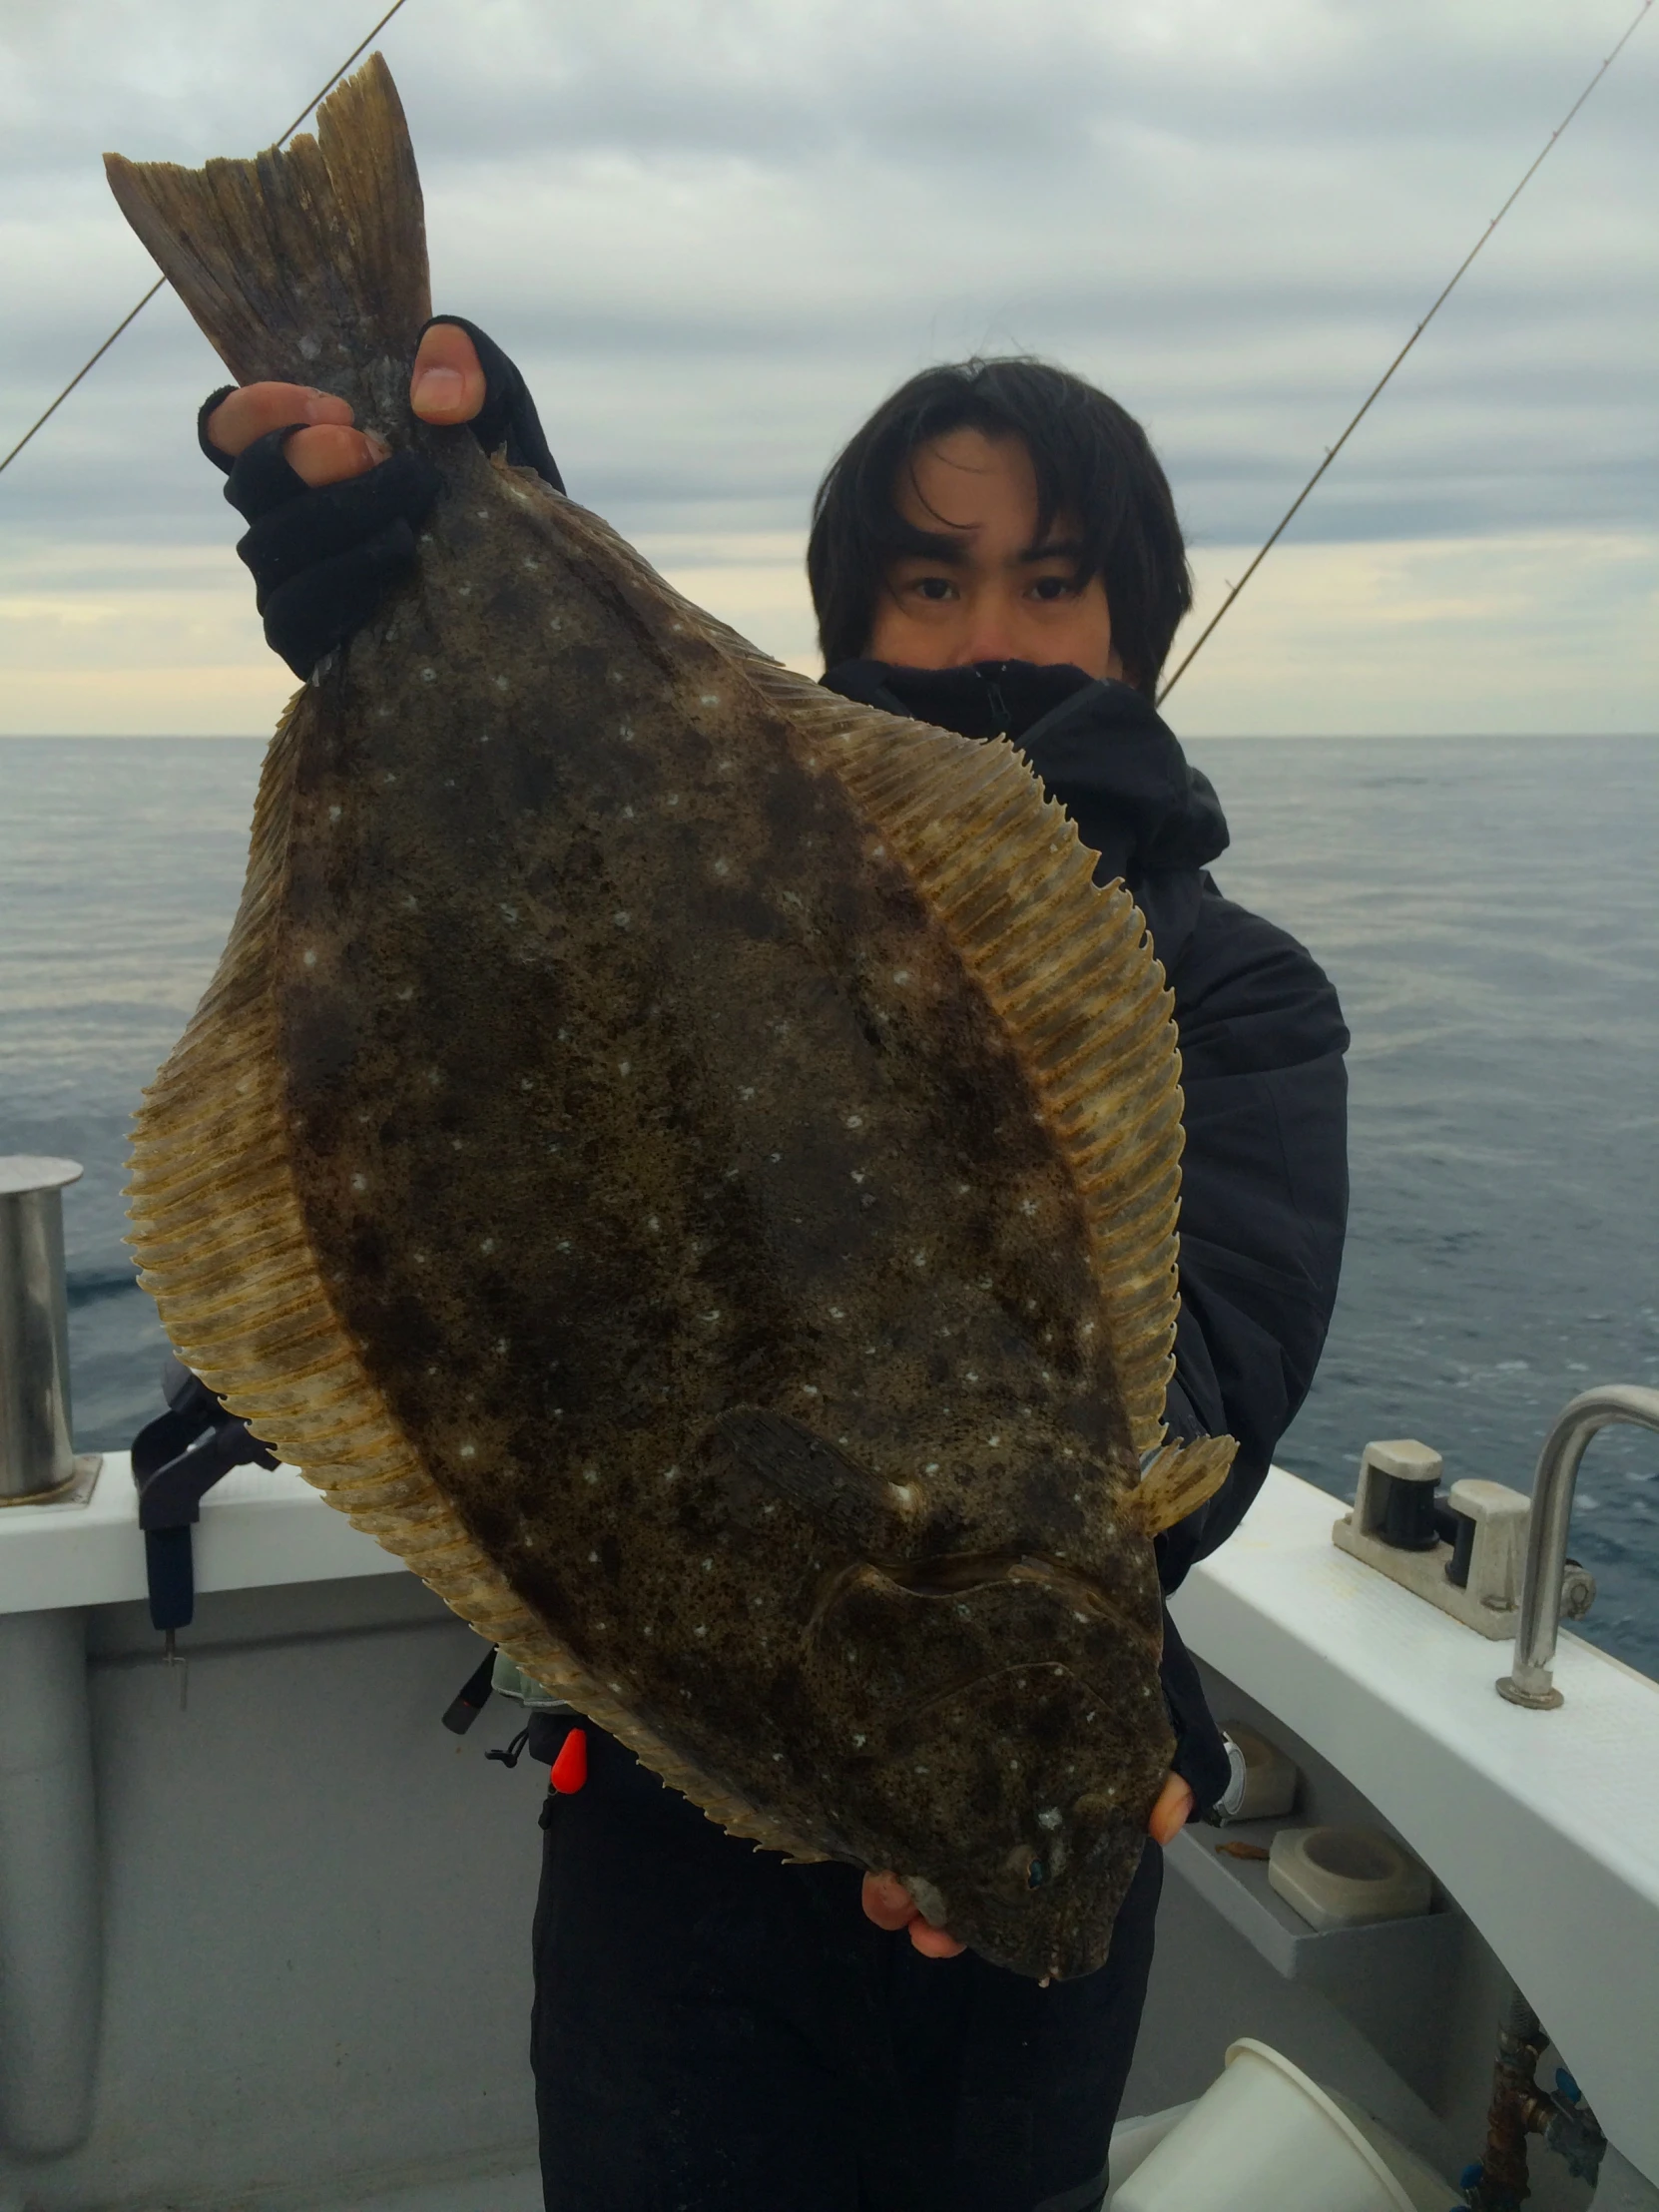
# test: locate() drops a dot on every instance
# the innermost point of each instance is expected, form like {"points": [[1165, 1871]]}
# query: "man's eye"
{"points": [[1053, 587], [932, 587]]}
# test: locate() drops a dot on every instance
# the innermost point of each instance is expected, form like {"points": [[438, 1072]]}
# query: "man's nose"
{"points": [[988, 634]]}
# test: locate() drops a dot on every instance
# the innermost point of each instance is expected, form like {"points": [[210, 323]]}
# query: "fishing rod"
{"points": [[1332, 451], [132, 315]]}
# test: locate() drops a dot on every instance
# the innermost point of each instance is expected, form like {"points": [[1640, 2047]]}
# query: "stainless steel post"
{"points": [[37, 1454], [1529, 1681]]}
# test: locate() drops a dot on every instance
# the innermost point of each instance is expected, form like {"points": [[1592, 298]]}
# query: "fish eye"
{"points": [[1036, 1874]]}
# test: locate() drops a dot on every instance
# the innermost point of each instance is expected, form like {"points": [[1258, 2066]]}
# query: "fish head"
{"points": [[1020, 1740]]}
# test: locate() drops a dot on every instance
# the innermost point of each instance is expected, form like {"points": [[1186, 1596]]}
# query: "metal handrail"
{"points": [[1609, 1403]]}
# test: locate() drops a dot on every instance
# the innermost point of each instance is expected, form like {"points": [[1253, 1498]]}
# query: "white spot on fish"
{"points": [[993, 1439], [410, 902], [481, 514], [500, 683], [932, 1467], [723, 868], [918, 1258], [699, 1631], [333, 813], [1027, 1205], [745, 1090], [406, 994], [359, 1182], [711, 1314], [653, 1224], [708, 1566], [671, 1475], [901, 975], [509, 913], [590, 1474], [311, 956], [809, 1389], [621, 920], [836, 1314], [487, 1244], [627, 813], [419, 1259], [429, 676], [854, 1121], [469, 1451], [625, 1067], [708, 699], [858, 1743], [529, 561], [500, 1344], [857, 1175], [673, 799], [564, 1244]]}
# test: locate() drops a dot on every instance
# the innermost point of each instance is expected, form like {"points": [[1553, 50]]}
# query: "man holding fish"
{"points": [[996, 552]]}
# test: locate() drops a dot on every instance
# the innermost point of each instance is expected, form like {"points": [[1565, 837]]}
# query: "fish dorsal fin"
{"points": [[218, 1233], [1070, 971]]}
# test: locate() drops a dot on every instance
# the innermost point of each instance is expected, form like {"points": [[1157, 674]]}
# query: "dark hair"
{"points": [[1093, 464]]}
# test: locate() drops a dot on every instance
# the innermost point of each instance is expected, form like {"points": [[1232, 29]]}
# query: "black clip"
{"points": [[177, 1460]]}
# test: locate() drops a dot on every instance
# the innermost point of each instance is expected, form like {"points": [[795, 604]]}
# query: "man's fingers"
{"points": [[1172, 1812], [888, 1902], [448, 382], [932, 1942], [890, 1905], [250, 412], [330, 454]]}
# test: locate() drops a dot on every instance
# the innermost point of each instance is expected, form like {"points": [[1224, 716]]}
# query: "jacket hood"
{"points": [[1100, 749]]}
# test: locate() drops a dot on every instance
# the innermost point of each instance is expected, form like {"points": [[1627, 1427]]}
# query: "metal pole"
{"points": [[1529, 1681], [37, 1454]]}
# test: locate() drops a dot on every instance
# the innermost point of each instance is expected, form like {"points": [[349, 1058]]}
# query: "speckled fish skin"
{"points": [[599, 1165]]}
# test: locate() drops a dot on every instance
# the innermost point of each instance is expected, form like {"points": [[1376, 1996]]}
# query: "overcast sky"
{"points": [[713, 233]]}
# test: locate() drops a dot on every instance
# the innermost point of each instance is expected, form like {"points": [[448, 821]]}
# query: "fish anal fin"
{"points": [[1178, 1482]]}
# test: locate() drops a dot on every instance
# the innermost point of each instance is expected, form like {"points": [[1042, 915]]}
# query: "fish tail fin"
{"points": [[1178, 1482], [304, 266]]}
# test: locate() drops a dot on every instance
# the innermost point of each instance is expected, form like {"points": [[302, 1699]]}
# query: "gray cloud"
{"points": [[715, 233]]}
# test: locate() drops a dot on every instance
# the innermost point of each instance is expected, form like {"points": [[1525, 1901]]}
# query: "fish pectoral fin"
{"points": [[849, 1501], [1177, 1482]]}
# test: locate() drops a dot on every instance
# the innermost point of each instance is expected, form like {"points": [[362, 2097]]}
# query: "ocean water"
{"points": [[1486, 909]]}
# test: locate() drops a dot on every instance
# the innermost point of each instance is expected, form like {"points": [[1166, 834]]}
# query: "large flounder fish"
{"points": [[690, 1163]]}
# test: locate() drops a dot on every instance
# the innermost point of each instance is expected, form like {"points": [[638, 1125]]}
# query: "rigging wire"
{"points": [[1192, 653], [92, 361]]}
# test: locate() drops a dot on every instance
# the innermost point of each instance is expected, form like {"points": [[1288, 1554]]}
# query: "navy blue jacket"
{"points": [[1263, 1192]]}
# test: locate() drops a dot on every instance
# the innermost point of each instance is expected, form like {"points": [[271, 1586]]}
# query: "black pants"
{"points": [[716, 2032]]}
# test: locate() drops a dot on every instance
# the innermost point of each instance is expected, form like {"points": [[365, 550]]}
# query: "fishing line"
{"points": [[1334, 450], [93, 359]]}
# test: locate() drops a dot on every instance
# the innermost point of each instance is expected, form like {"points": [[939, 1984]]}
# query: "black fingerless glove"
{"points": [[323, 559]]}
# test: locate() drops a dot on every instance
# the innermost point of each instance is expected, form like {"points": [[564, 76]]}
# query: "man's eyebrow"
{"points": [[909, 543]]}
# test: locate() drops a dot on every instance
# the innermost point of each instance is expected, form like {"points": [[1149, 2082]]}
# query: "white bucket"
{"points": [[1264, 2138]]}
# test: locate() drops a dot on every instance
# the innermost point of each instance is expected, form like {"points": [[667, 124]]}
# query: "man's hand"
{"points": [[446, 385], [889, 1904]]}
